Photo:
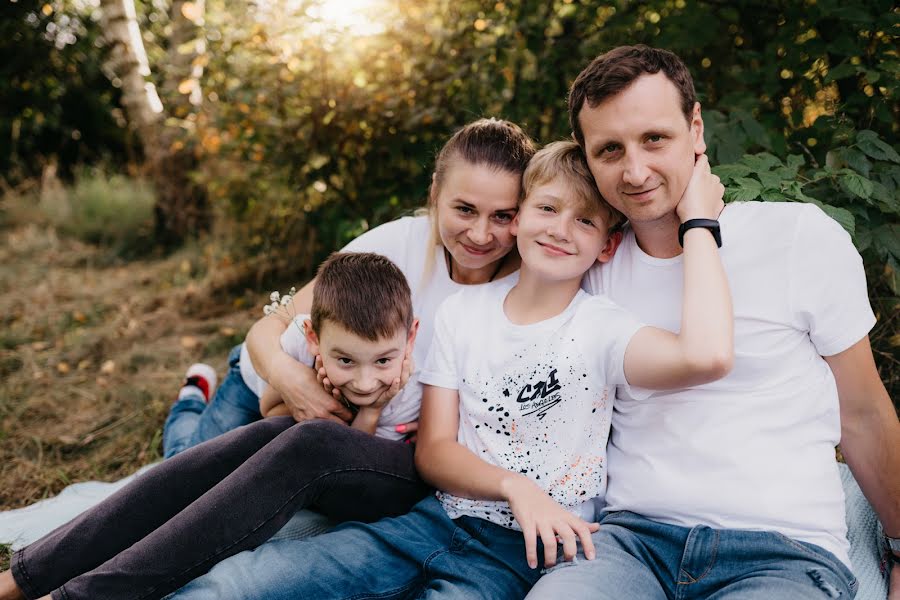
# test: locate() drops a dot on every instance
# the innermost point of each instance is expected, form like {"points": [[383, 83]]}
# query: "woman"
{"points": [[178, 520]]}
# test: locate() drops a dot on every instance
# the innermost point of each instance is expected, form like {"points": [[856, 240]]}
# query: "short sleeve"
{"points": [[440, 365], [828, 293], [606, 329], [293, 342]]}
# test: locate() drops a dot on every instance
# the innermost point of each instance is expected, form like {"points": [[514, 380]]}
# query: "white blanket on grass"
{"points": [[22, 526]]}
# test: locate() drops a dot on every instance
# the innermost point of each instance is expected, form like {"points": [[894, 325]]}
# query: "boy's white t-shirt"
{"points": [[533, 399], [754, 450], [406, 242]]}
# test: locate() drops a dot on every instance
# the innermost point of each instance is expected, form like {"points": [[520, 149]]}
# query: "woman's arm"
{"points": [[451, 467], [703, 350], [294, 381]]}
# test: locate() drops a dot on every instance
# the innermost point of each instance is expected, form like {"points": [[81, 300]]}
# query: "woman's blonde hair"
{"points": [[494, 143]]}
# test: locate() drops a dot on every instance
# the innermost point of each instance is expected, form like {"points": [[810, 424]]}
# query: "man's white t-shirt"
{"points": [[533, 399], [406, 242], [754, 450]]}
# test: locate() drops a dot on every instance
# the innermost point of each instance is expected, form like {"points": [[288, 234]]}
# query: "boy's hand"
{"points": [[399, 382], [702, 198], [539, 515], [297, 384]]}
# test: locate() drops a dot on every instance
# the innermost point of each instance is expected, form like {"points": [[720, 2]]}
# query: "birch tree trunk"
{"points": [[181, 206]]}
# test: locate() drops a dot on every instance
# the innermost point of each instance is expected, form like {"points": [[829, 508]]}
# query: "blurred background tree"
{"points": [[290, 126]]}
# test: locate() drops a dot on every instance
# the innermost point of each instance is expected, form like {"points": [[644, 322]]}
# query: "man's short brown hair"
{"points": [[564, 160], [364, 293], [612, 72]]}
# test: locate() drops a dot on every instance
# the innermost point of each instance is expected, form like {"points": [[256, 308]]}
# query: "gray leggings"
{"points": [[227, 495]]}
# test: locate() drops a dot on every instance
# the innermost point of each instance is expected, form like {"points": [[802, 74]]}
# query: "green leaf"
{"points": [[761, 162], [770, 180], [795, 161], [854, 159], [869, 142], [731, 171], [770, 195], [794, 190], [841, 71], [842, 216], [862, 239], [887, 239], [744, 189], [856, 184], [756, 132]]}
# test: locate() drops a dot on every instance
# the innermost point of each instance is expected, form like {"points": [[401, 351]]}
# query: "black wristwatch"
{"points": [[893, 548], [710, 224]]}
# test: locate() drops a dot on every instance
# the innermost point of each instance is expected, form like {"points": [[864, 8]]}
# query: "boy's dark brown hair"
{"points": [[612, 72], [364, 293]]}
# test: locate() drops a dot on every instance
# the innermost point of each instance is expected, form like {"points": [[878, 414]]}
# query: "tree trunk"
{"points": [[181, 205]]}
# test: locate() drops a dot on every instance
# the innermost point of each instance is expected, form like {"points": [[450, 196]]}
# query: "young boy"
{"points": [[365, 327], [517, 408], [364, 335]]}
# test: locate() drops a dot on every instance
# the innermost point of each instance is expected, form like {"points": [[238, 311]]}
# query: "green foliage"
{"points": [[113, 211], [857, 186], [57, 104]]}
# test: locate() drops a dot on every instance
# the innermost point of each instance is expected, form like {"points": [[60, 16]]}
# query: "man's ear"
{"points": [[312, 340], [697, 131], [411, 338], [612, 244]]}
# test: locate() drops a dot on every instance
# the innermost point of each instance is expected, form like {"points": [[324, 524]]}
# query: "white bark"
{"points": [[128, 64]]}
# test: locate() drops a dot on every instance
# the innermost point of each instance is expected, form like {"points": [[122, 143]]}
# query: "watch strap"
{"points": [[711, 224]]}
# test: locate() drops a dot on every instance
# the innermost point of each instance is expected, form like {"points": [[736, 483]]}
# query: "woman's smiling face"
{"points": [[474, 208]]}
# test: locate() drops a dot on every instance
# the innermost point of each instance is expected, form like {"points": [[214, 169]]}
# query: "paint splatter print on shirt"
{"points": [[534, 399]]}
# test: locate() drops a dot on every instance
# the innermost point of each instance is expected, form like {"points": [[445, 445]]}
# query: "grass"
{"points": [[92, 354]]}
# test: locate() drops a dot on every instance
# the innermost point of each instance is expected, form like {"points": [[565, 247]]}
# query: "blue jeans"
{"points": [[192, 421], [640, 558], [423, 554]]}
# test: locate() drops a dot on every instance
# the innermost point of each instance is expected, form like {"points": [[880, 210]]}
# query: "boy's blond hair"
{"points": [[564, 159]]}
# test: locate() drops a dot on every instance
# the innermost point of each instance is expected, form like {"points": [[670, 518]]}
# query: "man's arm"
{"points": [[294, 381], [870, 435], [451, 467]]}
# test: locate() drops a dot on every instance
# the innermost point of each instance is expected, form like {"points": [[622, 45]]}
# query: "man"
{"points": [[731, 488]]}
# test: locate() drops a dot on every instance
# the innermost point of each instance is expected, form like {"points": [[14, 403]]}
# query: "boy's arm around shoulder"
{"points": [[703, 351]]}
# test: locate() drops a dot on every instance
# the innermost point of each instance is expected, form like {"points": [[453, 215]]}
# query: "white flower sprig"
{"points": [[282, 307]]}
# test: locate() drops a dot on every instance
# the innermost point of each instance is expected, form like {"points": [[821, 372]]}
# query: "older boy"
{"points": [[728, 489], [516, 410]]}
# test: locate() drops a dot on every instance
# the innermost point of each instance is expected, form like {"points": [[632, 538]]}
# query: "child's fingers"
{"points": [[548, 536], [583, 530], [530, 535], [566, 534]]}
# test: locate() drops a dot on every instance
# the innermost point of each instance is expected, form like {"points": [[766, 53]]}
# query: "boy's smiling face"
{"points": [[559, 236], [363, 370]]}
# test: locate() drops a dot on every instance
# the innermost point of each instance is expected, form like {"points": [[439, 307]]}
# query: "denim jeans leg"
{"points": [[759, 565], [383, 560], [629, 563], [485, 560], [343, 471], [191, 421], [130, 514], [641, 558]]}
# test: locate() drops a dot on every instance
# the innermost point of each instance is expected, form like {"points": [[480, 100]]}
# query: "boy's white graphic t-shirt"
{"points": [[755, 449], [533, 399], [406, 242]]}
